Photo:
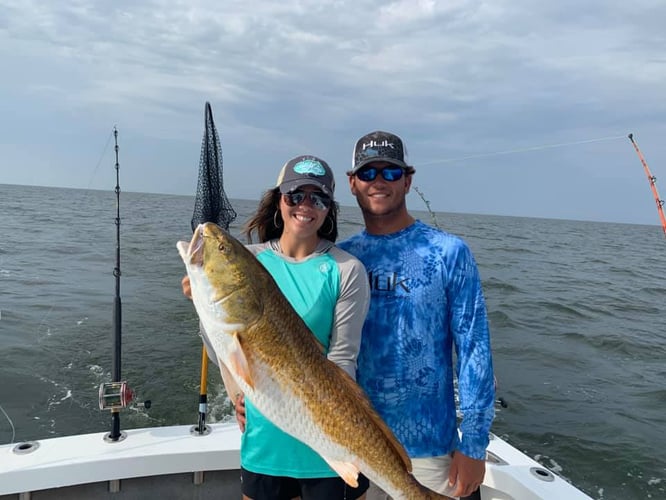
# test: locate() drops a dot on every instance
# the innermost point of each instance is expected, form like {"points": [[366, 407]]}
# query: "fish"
{"points": [[266, 351]]}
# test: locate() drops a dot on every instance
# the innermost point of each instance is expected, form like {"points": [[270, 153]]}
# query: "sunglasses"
{"points": [[319, 200], [390, 174]]}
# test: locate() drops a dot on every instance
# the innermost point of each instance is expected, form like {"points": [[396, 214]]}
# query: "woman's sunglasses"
{"points": [[390, 174], [319, 200]]}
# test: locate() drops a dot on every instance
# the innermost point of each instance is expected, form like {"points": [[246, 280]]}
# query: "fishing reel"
{"points": [[114, 396]]}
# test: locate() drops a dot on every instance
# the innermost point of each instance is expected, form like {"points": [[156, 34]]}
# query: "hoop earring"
{"points": [[330, 229], [275, 219]]}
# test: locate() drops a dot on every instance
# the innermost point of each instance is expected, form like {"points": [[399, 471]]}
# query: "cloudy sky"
{"points": [[517, 107]]}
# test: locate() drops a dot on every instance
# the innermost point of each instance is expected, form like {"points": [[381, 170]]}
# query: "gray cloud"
{"points": [[457, 79]]}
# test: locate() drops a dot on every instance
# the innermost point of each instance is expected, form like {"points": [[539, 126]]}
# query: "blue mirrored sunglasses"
{"points": [[319, 200], [390, 174]]}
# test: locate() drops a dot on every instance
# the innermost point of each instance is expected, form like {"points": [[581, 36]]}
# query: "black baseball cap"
{"points": [[379, 146], [306, 170]]}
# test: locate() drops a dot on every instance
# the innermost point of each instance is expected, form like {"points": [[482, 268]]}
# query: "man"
{"points": [[426, 300]]}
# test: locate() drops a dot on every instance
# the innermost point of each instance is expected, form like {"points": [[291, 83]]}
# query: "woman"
{"points": [[296, 225]]}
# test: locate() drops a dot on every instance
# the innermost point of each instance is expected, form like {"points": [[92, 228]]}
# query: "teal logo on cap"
{"points": [[309, 167]]}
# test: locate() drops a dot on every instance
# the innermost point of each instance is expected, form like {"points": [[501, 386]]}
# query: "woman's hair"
{"points": [[268, 224]]}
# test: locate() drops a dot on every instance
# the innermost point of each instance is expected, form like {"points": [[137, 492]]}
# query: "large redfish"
{"points": [[265, 350]]}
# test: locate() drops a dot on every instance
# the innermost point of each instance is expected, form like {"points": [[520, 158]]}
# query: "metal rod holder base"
{"points": [[194, 430]]}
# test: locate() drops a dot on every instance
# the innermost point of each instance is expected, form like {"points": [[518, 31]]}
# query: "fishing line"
{"points": [[10, 423], [99, 247], [522, 150], [42, 322], [499, 153], [99, 162]]}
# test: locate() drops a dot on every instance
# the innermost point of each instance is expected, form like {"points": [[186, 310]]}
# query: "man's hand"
{"points": [[466, 474], [240, 411], [187, 288]]}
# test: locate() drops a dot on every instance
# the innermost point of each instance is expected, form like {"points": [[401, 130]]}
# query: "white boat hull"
{"points": [[171, 462]]}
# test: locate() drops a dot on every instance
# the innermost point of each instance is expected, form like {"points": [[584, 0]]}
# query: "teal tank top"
{"points": [[312, 287]]}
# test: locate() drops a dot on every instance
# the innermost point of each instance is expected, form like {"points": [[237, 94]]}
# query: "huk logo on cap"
{"points": [[377, 144]]}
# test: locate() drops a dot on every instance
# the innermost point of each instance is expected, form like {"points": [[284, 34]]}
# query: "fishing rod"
{"points": [[116, 395], [117, 303], [653, 184]]}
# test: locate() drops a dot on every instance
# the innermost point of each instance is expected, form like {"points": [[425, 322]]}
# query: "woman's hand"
{"points": [[240, 410], [187, 288]]}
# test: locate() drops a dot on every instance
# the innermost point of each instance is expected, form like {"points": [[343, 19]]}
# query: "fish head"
{"points": [[220, 270]]}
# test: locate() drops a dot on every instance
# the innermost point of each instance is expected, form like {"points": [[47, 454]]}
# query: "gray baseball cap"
{"points": [[380, 146], [306, 170]]}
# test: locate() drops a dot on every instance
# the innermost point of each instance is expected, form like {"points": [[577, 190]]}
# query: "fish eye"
{"points": [[223, 248]]}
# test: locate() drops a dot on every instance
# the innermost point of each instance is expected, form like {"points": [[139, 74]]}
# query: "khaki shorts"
{"points": [[432, 472]]}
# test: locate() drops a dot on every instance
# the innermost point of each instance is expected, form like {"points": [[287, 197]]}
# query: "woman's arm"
{"points": [[350, 311]]}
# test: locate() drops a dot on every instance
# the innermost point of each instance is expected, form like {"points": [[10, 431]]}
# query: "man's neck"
{"points": [[387, 224]]}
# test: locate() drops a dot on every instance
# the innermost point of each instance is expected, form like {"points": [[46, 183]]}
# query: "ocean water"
{"points": [[576, 313]]}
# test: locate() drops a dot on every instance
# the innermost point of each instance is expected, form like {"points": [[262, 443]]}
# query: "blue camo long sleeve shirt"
{"points": [[426, 300]]}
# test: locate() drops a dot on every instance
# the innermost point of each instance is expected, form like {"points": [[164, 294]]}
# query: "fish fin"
{"points": [[346, 470], [182, 251], [230, 384], [239, 364]]}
